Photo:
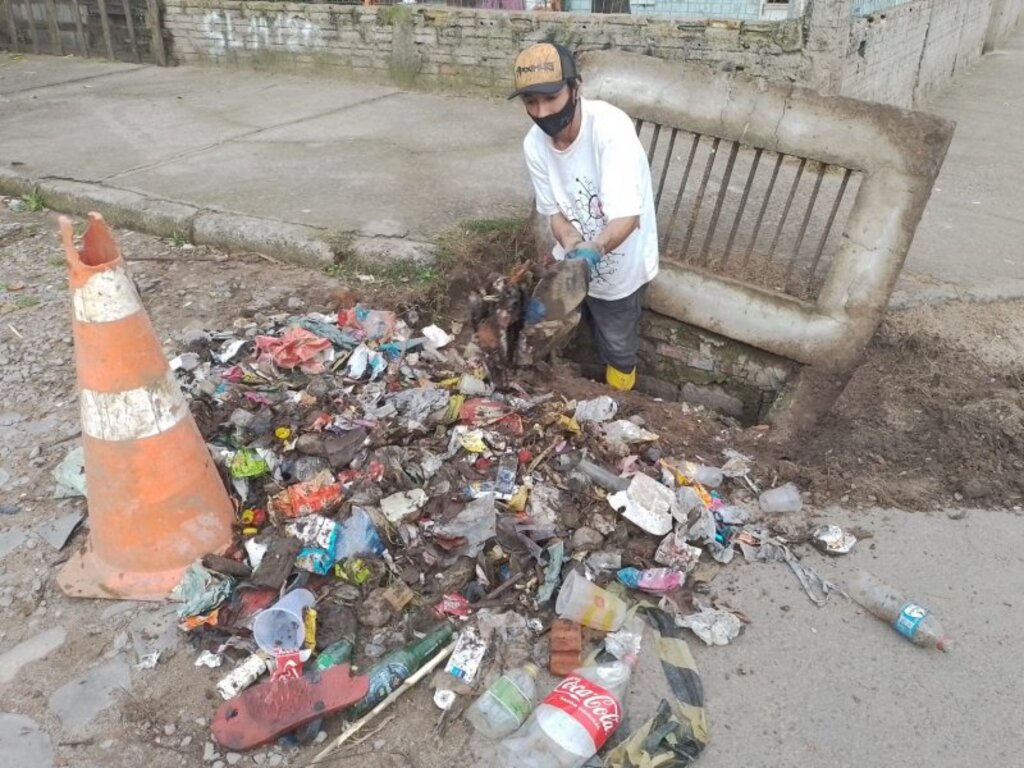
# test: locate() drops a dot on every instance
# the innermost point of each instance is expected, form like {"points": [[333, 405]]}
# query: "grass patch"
{"points": [[24, 302], [33, 201], [399, 271], [178, 239], [56, 261], [467, 256]]}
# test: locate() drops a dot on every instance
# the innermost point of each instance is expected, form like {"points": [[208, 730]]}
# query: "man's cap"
{"points": [[542, 68]]}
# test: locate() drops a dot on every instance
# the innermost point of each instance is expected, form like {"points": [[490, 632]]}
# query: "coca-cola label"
{"points": [[592, 706]]}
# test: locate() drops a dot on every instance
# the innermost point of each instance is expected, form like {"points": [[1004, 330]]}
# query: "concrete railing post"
{"points": [[827, 25]]}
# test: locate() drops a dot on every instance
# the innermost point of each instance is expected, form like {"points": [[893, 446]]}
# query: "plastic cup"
{"points": [[587, 603], [281, 627]]}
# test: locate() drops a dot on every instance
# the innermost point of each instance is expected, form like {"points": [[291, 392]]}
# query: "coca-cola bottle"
{"points": [[575, 720]]}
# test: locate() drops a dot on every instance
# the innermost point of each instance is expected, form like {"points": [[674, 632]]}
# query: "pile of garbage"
{"points": [[396, 509]]}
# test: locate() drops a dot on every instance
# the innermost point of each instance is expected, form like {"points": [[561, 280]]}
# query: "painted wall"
{"points": [[461, 48], [903, 55], [899, 56]]}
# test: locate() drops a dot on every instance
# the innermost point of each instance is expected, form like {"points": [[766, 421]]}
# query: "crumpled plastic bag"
{"points": [[712, 626], [599, 409], [70, 475], [477, 522], [416, 405], [365, 360], [771, 550], [375, 324], [199, 591], [294, 348]]}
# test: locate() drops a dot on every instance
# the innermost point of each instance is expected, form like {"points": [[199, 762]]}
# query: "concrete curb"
{"points": [[294, 243]]}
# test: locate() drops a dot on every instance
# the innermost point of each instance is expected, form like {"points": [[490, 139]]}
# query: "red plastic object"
{"points": [[260, 714], [316, 496]]}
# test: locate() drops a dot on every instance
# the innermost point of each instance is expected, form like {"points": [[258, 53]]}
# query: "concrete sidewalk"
{"points": [[312, 156], [281, 163]]}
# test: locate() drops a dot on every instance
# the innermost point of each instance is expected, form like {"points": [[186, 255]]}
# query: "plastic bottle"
{"points": [[505, 705], [391, 671], [573, 722], [703, 474], [912, 621], [596, 473]]}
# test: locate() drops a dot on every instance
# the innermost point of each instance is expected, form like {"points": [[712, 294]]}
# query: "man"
{"points": [[592, 180]]}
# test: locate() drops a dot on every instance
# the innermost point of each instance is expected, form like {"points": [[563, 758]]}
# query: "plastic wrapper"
{"points": [[626, 642], [553, 572], [712, 626], [320, 537], [758, 546], [599, 409], [199, 591], [419, 405], [464, 663], [605, 561], [248, 463], [358, 536], [365, 362], [624, 432], [402, 506], [70, 475], [481, 412], [452, 605], [437, 336], [677, 552], [321, 495], [295, 348], [476, 523], [654, 580], [373, 324]]}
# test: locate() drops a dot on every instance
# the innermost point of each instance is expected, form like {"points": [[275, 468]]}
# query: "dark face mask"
{"points": [[554, 124]]}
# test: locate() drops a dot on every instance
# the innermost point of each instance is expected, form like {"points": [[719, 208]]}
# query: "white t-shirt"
{"points": [[602, 176]]}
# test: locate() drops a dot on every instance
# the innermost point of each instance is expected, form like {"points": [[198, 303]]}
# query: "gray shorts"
{"points": [[615, 326]]}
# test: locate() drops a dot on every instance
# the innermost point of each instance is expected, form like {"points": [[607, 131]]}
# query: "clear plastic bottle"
{"points": [[573, 722], [605, 478], [912, 621], [701, 473], [506, 704]]}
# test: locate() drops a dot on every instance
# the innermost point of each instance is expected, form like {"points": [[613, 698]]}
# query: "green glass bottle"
{"points": [[395, 668], [334, 654]]}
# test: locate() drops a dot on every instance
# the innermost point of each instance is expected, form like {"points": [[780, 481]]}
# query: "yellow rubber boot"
{"points": [[618, 380]]}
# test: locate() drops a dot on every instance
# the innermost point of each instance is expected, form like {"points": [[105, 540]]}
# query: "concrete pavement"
{"points": [[969, 241], [245, 155], [318, 155], [282, 163]]}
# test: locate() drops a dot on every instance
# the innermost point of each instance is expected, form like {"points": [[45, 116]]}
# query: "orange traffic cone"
{"points": [[156, 502]]}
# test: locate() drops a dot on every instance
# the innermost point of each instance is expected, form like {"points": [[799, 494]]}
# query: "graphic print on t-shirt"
{"points": [[587, 215]]}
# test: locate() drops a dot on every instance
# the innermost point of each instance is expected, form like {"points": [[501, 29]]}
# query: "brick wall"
{"points": [[903, 54], [899, 55], [461, 47]]}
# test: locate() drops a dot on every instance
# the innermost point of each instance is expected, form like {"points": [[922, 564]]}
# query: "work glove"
{"points": [[590, 252]]}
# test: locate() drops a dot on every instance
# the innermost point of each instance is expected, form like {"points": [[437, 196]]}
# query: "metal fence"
{"points": [[746, 212], [124, 30]]}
